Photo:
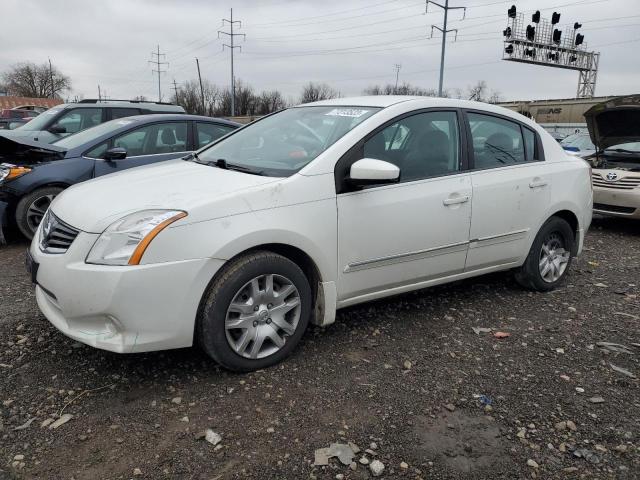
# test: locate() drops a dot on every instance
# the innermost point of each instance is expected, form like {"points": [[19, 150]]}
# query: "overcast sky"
{"points": [[348, 44]]}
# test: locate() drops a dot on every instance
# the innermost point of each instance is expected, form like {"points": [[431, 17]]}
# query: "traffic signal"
{"points": [[579, 39], [556, 36], [531, 33], [507, 32], [577, 25], [512, 12], [555, 18], [509, 49], [535, 18]]}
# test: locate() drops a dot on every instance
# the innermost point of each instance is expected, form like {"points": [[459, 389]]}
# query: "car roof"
{"points": [[409, 101], [154, 117], [123, 104]]}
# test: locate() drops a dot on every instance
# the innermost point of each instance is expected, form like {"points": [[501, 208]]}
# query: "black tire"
{"points": [[529, 275], [25, 219], [210, 324]]}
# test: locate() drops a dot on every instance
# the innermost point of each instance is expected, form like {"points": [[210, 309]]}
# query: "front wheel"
{"points": [[549, 258], [31, 209], [255, 312]]}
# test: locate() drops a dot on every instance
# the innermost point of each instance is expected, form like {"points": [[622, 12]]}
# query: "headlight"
{"points": [[9, 172], [124, 241]]}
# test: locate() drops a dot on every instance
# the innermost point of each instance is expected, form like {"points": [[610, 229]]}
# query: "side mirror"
{"points": [[57, 129], [370, 171], [116, 153]]}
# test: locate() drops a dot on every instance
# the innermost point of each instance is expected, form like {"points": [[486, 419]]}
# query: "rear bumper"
{"points": [[617, 202]]}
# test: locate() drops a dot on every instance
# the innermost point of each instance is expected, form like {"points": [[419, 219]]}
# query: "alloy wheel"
{"points": [[554, 258], [262, 314], [36, 211]]}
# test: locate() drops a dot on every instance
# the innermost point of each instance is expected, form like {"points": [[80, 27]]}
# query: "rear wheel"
{"points": [[549, 258], [255, 312], [31, 208]]}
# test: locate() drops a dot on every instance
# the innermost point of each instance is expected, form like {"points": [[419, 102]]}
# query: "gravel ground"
{"points": [[407, 379]]}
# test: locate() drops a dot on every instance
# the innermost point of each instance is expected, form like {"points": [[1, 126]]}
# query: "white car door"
{"points": [[511, 190], [390, 236]]}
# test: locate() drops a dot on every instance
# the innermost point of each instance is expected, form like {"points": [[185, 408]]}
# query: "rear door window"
{"points": [[79, 119], [496, 142], [209, 132]]}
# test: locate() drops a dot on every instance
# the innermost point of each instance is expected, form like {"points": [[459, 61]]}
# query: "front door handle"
{"points": [[455, 200], [537, 182]]}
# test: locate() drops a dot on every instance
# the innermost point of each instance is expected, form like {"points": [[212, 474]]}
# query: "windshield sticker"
{"points": [[347, 112]]}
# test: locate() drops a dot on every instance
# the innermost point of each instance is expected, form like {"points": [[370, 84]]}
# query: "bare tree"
{"points": [[478, 91], [312, 92], [141, 98], [36, 81], [268, 102], [403, 89]]}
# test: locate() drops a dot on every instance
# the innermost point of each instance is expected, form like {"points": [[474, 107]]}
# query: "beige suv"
{"points": [[614, 128]]}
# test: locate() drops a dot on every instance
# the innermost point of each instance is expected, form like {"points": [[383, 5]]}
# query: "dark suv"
{"points": [[68, 118]]}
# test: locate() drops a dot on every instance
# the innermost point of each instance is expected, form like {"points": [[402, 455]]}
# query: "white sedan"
{"points": [[318, 207]]}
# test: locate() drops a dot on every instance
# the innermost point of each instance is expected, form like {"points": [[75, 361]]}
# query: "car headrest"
{"points": [[500, 140], [168, 137]]}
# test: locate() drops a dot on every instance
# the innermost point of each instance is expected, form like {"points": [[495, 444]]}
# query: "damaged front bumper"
{"points": [[4, 220]]}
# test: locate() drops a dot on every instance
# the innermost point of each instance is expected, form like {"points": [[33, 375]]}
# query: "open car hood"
{"points": [[614, 122], [23, 150]]}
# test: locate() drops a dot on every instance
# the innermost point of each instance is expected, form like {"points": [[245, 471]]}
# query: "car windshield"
{"points": [[84, 136], [581, 142], [281, 144], [39, 122]]}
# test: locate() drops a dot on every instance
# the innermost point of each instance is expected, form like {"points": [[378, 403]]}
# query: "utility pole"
{"points": [[53, 88], [158, 69], [444, 31], [397, 66], [99, 94], [175, 89], [231, 36], [201, 89]]}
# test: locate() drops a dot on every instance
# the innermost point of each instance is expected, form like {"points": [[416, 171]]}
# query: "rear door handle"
{"points": [[537, 182], [455, 200]]}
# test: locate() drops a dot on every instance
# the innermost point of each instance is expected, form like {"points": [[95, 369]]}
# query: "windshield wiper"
{"points": [[222, 163], [192, 157], [621, 150]]}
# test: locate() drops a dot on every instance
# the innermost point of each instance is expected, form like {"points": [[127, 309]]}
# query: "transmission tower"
{"points": [[231, 47], [158, 68], [397, 67], [444, 31]]}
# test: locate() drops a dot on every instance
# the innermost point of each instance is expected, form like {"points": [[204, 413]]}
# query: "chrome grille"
{"points": [[621, 183], [56, 236]]}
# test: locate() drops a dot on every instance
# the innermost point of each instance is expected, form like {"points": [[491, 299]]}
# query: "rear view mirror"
{"points": [[115, 153], [57, 129], [370, 171]]}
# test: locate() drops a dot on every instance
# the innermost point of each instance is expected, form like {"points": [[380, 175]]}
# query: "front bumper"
{"points": [[4, 220], [123, 309], [617, 202]]}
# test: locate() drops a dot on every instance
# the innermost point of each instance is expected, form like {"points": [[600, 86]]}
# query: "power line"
{"points": [[231, 47], [158, 70]]}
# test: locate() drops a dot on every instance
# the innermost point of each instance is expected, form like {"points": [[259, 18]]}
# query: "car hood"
{"points": [[23, 150], [41, 136], [176, 185], [614, 122]]}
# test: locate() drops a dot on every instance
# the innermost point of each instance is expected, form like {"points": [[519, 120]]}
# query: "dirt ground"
{"points": [[407, 379]]}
